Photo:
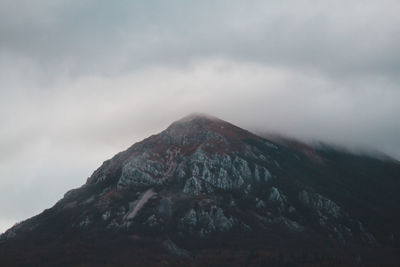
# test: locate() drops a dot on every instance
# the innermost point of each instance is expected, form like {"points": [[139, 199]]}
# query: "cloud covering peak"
{"points": [[82, 80]]}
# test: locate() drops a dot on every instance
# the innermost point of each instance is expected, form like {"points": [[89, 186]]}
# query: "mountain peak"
{"points": [[197, 116], [197, 121], [205, 186], [202, 127]]}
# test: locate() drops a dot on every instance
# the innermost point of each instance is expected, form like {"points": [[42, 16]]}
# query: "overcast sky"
{"points": [[83, 80]]}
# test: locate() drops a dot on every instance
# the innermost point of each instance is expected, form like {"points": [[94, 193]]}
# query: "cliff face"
{"points": [[204, 184]]}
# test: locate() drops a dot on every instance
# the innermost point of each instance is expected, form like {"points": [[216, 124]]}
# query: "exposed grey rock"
{"points": [[224, 172], [152, 221], [260, 204], [320, 203], [266, 175], [222, 223], [114, 224], [85, 222], [195, 170], [223, 180], [277, 164], [180, 171], [121, 211], [262, 157], [106, 215], [365, 235], [241, 169], [250, 152], [173, 248], [140, 169], [277, 198], [207, 222], [338, 235], [341, 233], [133, 175], [214, 170], [270, 145], [189, 221], [245, 227], [289, 224], [248, 189], [264, 220], [261, 174], [192, 187]]}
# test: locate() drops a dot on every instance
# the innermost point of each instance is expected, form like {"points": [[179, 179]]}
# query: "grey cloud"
{"points": [[102, 36]]}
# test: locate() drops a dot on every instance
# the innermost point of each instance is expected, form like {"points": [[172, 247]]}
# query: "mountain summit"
{"points": [[206, 192]]}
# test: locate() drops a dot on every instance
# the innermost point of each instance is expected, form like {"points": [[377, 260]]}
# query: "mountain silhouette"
{"points": [[205, 192]]}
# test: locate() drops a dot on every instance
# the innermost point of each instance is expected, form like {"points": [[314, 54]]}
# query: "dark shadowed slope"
{"points": [[205, 192]]}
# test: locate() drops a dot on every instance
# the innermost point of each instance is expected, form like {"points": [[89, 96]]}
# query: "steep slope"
{"points": [[204, 191]]}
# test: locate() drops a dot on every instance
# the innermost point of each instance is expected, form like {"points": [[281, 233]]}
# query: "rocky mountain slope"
{"points": [[205, 192]]}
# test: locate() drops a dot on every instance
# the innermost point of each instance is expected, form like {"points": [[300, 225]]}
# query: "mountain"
{"points": [[205, 192]]}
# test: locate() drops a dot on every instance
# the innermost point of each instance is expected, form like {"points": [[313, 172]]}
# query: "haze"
{"points": [[83, 80]]}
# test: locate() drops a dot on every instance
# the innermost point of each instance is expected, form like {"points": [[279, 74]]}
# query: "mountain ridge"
{"points": [[205, 185]]}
